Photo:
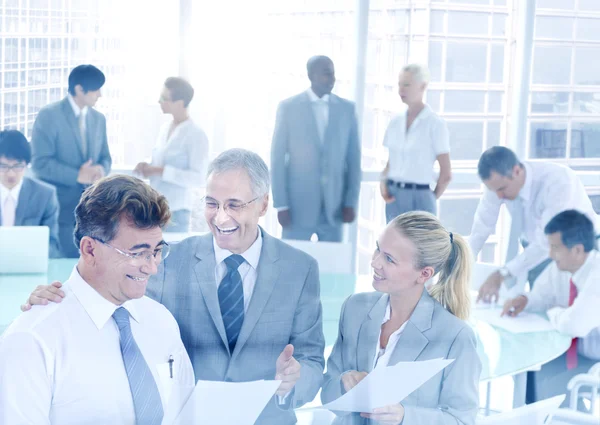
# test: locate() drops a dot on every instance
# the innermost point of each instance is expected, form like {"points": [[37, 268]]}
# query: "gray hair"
{"points": [[252, 163], [418, 71], [498, 159]]}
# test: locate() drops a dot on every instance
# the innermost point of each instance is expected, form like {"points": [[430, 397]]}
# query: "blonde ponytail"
{"points": [[447, 253]]}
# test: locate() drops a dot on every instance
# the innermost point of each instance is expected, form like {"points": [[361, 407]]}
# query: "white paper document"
{"points": [[389, 385], [523, 323], [212, 401], [531, 414]]}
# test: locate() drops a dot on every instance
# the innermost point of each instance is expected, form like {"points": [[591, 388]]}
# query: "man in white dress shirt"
{"points": [[97, 357], [569, 292], [315, 159], [533, 193]]}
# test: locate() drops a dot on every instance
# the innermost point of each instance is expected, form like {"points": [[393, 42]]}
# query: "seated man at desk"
{"points": [[25, 201], [98, 356], [569, 292]]}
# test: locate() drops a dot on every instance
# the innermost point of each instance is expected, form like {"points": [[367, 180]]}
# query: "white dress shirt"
{"points": [[382, 355], [62, 363], [14, 193], [184, 156], [247, 269], [548, 190], [581, 320], [413, 152]]}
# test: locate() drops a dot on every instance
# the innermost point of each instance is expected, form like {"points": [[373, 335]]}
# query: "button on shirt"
{"points": [[413, 152], [382, 355], [184, 156], [581, 320], [548, 190], [62, 363], [320, 108], [4, 193]]}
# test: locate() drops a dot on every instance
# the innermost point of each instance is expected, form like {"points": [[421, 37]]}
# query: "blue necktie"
{"points": [[146, 398], [231, 299]]}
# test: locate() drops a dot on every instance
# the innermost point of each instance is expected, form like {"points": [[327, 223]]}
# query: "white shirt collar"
{"points": [[14, 192], [314, 98], [579, 277], [97, 307], [424, 113], [76, 109], [251, 255], [525, 192]]}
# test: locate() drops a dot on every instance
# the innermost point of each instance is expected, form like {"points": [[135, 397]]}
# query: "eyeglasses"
{"points": [[4, 168], [159, 254], [230, 207]]}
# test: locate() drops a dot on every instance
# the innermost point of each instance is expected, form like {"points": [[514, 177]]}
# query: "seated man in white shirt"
{"points": [[533, 193], [25, 201], [99, 356], [569, 292]]}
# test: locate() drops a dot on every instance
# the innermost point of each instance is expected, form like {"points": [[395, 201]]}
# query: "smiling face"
{"points": [[118, 277], [237, 228], [393, 262]]}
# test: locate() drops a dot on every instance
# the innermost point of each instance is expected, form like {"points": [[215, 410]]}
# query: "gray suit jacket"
{"points": [[57, 154], [285, 309], [37, 206], [306, 171], [450, 397]]}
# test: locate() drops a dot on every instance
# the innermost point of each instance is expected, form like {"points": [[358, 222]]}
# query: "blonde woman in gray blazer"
{"points": [[403, 321]]}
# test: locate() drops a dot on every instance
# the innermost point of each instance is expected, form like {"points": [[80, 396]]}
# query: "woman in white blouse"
{"points": [[403, 321], [415, 140], [180, 157]]}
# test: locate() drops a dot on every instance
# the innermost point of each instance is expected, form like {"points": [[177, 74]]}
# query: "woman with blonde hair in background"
{"points": [[416, 139], [403, 321]]}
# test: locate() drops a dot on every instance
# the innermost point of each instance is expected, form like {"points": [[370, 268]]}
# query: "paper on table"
{"points": [[531, 414], [523, 323], [385, 386], [211, 402]]}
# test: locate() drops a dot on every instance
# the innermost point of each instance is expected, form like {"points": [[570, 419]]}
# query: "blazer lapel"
{"points": [[24, 201], [266, 279], [412, 341], [368, 335], [73, 124], [205, 274]]}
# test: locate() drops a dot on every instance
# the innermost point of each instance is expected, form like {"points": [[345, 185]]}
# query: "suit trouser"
{"points": [[409, 200], [325, 232], [68, 248]]}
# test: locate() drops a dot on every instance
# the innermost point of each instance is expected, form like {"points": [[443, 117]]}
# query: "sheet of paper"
{"points": [[523, 323], [385, 386], [212, 401], [531, 414], [178, 397]]}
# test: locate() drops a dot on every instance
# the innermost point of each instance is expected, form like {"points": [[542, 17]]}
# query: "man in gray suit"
{"points": [[25, 201], [247, 304], [70, 149], [315, 159]]}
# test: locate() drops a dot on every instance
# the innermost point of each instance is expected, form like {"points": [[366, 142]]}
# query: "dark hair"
{"points": [[180, 90], [88, 77], [108, 200], [574, 227], [499, 159], [314, 61], [14, 145]]}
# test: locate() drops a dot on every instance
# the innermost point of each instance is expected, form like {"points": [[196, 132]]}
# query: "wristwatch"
{"points": [[504, 272]]}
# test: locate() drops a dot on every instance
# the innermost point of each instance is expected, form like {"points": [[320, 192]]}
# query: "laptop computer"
{"points": [[24, 249]]}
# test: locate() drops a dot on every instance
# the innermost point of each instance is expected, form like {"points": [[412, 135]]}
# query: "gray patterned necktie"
{"points": [[146, 398], [231, 300]]}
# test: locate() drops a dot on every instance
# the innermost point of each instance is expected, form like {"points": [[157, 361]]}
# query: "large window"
{"points": [[42, 40]]}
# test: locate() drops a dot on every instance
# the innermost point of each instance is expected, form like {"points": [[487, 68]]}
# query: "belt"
{"points": [[403, 185]]}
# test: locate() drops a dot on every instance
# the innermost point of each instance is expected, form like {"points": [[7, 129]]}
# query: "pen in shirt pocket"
{"points": [[171, 361]]}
